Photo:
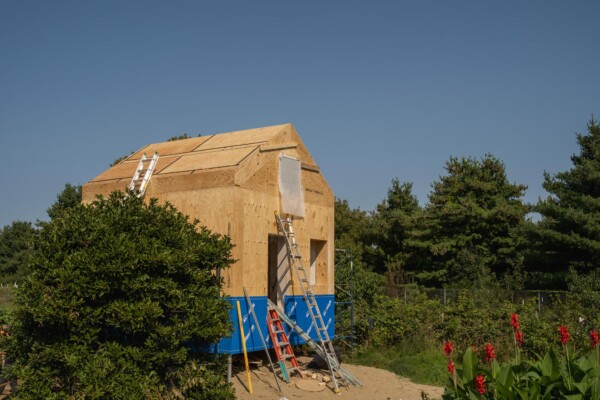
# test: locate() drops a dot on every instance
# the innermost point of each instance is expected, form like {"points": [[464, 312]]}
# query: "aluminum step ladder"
{"points": [[315, 346], [142, 174], [281, 344], [286, 227]]}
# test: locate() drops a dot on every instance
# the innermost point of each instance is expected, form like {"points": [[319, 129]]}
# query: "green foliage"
{"points": [[16, 249], [118, 160], [396, 219], [117, 291], [180, 137], [569, 232], [69, 198], [354, 232], [550, 377], [473, 224]]}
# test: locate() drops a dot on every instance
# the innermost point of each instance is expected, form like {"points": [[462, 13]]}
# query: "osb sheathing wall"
{"points": [[230, 183]]}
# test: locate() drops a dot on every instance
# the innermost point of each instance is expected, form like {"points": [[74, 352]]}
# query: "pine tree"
{"points": [[396, 220], [569, 231], [473, 222]]}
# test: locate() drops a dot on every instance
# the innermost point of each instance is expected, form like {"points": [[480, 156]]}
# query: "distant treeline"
{"points": [[476, 230]]}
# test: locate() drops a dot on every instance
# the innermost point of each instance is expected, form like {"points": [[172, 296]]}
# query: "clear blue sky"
{"points": [[376, 89]]}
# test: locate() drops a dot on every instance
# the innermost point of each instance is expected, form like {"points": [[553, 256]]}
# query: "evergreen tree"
{"points": [[396, 221], [118, 291], [70, 197], [354, 231], [16, 248], [473, 224], [569, 231]]}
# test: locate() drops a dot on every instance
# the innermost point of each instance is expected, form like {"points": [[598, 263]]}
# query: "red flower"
{"points": [[519, 338], [564, 334], [474, 349], [594, 338], [450, 367], [448, 348], [489, 352], [480, 384], [514, 321]]}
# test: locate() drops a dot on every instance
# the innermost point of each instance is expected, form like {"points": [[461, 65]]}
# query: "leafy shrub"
{"points": [[118, 289]]}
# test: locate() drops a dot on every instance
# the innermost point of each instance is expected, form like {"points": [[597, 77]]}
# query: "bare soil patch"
{"points": [[377, 384]]}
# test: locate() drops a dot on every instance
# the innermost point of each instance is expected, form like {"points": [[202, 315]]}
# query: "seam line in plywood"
{"points": [[207, 140], [215, 150], [278, 147], [136, 152], [235, 146], [247, 155]]}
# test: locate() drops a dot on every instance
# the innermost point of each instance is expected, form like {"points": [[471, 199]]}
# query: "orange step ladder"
{"points": [[282, 346]]}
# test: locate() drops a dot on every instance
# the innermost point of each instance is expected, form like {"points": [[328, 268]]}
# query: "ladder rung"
{"points": [[283, 343]]}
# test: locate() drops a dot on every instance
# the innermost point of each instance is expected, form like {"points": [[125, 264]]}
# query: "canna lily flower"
{"points": [[450, 367], [594, 338], [514, 321], [480, 384], [519, 338], [564, 334], [489, 352], [448, 348]]}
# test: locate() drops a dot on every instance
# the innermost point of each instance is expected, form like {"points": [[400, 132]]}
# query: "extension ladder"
{"points": [[285, 226], [142, 174], [282, 346], [315, 346]]}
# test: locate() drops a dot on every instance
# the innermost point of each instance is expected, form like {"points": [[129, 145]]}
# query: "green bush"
{"points": [[117, 292], [572, 377]]}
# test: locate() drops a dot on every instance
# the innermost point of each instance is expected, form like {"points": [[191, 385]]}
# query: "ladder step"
{"points": [[283, 343]]}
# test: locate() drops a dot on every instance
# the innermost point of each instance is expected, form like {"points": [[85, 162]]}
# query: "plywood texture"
{"points": [[186, 181], [170, 148], [209, 159], [231, 185], [126, 169], [246, 137]]}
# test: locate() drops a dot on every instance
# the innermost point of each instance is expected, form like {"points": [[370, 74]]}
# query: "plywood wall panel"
{"points": [[186, 181]]}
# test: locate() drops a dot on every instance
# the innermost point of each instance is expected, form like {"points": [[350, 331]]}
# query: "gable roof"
{"points": [[225, 150]]}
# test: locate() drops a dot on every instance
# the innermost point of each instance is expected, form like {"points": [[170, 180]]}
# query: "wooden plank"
{"points": [[310, 167], [275, 147], [209, 159]]}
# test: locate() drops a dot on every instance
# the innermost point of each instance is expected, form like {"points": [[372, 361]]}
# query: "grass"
{"points": [[419, 362]]}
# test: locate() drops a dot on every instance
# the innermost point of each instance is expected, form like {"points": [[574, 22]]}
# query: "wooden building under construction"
{"points": [[234, 183]]}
